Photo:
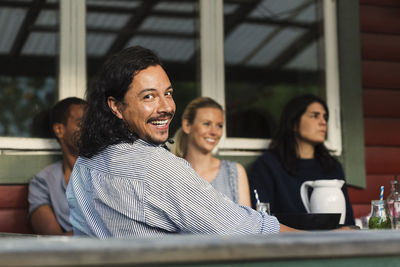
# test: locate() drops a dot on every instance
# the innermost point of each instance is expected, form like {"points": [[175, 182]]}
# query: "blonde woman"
{"points": [[202, 124]]}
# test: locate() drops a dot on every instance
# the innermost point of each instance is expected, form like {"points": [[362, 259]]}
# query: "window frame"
{"points": [[72, 70], [213, 85]]}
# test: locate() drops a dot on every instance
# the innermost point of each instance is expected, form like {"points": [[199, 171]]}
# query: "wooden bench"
{"points": [[14, 209], [14, 204]]}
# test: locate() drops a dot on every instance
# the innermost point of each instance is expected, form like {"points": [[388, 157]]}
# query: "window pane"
{"points": [[272, 53], [167, 27], [28, 51]]}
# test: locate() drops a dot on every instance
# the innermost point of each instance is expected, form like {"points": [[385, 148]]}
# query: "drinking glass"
{"points": [[263, 207], [380, 218]]}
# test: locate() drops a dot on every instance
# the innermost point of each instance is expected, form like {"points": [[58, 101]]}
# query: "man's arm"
{"points": [[44, 222], [178, 200]]}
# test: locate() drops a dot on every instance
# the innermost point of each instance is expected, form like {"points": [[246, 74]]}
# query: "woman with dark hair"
{"points": [[297, 154], [202, 124]]}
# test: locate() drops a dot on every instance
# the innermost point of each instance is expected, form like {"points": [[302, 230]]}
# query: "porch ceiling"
{"points": [[254, 33]]}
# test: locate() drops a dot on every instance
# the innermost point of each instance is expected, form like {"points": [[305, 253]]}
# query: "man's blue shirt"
{"points": [[141, 189]]}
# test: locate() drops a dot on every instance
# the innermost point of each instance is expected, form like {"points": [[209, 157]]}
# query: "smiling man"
{"points": [[125, 182], [148, 107]]}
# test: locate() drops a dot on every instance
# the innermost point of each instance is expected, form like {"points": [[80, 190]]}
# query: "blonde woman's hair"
{"points": [[181, 138]]}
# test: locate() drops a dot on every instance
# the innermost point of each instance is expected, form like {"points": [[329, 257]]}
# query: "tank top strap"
{"points": [[232, 174]]}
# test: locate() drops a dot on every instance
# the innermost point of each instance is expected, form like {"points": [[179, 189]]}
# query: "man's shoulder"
{"points": [[50, 171], [123, 158], [161, 157]]}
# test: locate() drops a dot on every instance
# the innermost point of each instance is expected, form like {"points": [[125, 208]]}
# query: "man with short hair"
{"points": [[48, 206], [125, 183]]}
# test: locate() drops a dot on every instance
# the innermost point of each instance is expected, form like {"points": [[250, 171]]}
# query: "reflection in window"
{"points": [[272, 53], [28, 52], [167, 27]]}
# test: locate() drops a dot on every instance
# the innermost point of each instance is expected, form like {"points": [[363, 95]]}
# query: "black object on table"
{"points": [[309, 221]]}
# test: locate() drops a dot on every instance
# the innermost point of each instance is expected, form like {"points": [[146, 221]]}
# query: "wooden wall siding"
{"points": [[382, 131], [360, 210], [382, 160], [14, 221], [380, 47], [358, 196], [381, 103], [361, 198], [380, 54], [381, 74], [13, 196], [394, 3], [379, 19]]}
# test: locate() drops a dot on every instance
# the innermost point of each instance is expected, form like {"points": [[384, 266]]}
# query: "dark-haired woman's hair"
{"points": [[100, 127], [284, 143], [181, 138]]}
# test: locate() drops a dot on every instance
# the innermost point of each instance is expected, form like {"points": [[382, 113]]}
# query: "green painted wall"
{"points": [[18, 169], [353, 156]]}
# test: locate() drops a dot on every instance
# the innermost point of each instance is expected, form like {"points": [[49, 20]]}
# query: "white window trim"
{"points": [[23, 143], [212, 75], [72, 69], [334, 141], [72, 75]]}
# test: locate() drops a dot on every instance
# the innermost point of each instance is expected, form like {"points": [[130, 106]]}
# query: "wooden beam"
{"points": [[23, 32], [178, 35], [232, 21], [18, 4], [275, 32], [270, 76], [28, 66], [297, 45], [133, 23], [241, 13], [279, 22], [47, 66]]}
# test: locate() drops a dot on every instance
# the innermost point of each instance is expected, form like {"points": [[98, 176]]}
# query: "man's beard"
{"points": [[148, 138]]}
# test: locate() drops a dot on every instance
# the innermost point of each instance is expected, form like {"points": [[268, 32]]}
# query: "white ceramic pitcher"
{"points": [[326, 197]]}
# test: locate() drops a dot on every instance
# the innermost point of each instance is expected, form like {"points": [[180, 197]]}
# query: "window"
{"points": [[168, 28], [273, 50], [29, 53], [271, 55], [56, 38], [38, 67]]}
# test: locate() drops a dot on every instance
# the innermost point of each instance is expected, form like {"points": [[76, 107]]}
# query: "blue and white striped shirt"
{"points": [[141, 189]]}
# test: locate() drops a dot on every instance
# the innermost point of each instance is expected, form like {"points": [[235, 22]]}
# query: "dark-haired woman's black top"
{"points": [[282, 190]]}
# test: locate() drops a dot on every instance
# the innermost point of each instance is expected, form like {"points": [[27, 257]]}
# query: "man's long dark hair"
{"points": [[284, 143], [100, 127]]}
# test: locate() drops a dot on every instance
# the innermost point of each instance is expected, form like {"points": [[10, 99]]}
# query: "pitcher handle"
{"points": [[304, 194]]}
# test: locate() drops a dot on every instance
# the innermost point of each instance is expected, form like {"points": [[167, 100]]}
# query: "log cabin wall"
{"points": [[380, 53]]}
